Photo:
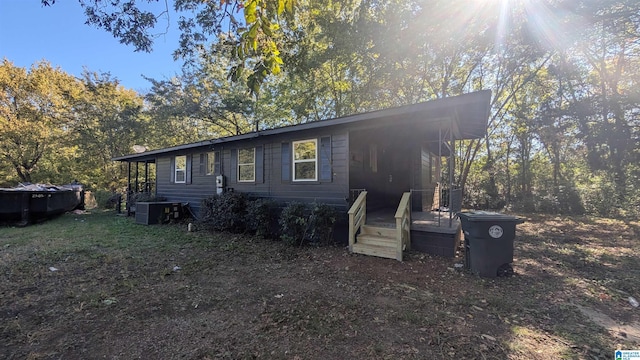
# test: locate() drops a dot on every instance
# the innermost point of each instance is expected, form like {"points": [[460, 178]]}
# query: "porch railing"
{"points": [[403, 225], [442, 199], [353, 195], [357, 217]]}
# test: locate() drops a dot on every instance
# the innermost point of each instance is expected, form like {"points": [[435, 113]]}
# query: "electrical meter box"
{"points": [[220, 181]]}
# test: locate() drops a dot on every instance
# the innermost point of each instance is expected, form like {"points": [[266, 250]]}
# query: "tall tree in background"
{"points": [[567, 97], [109, 121], [35, 108], [201, 104], [609, 106], [173, 108], [58, 128], [587, 94]]}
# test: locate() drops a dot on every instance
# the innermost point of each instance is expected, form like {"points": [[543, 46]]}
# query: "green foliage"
{"points": [[255, 39], [109, 122], [144, 197], [600, 196], [293, 221], [300, 223], [57, 128], [565, 201], [569, 200], [321, 222], [563, 129], [201, 104], [225, 212], [36, 109], [261, 214], [105, 199]]}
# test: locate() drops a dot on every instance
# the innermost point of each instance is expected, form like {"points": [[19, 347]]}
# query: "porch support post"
{"points": [[452, 164], [146, 177], [137, 181], [129, 190], [439, 168]]}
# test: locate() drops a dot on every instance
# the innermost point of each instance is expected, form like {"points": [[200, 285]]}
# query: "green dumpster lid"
{"points": [[479, 215]]}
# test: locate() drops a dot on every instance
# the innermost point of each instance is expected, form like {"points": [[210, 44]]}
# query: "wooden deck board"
{"points": [[436, 222]]}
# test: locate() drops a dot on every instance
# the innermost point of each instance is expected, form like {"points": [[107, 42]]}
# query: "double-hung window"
{"points": [[305, 160], [180, 169], [246, 165]]}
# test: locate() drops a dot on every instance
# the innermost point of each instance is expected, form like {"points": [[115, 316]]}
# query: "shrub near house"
{"points": [[298, 222]]}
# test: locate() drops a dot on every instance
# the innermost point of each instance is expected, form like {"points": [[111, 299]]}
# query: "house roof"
{"points": [[469, 112]]}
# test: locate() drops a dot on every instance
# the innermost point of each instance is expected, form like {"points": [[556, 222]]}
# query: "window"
{"points": [[305, 160], [246, 165], [181, 169], [211, 163]]}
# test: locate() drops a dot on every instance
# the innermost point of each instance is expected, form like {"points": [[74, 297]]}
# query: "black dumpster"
{"points": [[489, 242]]}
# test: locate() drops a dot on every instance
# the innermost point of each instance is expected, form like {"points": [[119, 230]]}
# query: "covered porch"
{"points": [[404, 197], [401, 179], [141, 182]]}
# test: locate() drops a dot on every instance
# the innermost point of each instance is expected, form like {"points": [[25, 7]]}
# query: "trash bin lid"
{"points": [[479, 215]]}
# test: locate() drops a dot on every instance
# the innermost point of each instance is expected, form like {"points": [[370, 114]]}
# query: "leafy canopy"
{"points": [[255, 35]]}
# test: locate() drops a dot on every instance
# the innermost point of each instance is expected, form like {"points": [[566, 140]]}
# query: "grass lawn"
{"points": [[100, 286]]}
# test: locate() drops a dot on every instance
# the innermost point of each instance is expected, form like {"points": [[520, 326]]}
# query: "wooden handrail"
{"points": [[357, 217], [403, 225]]}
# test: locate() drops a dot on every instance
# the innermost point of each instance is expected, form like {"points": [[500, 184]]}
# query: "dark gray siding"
{"points": [[201, 186], [331, 188], [276, 182]]}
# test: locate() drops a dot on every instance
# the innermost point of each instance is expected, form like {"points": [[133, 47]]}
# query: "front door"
{"points": [[380, 162], [395, 169]]}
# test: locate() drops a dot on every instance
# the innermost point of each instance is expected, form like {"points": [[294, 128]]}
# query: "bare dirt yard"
{"points": [[100, 286]]}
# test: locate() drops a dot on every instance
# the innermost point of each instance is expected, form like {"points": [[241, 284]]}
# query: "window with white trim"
{"points": [[246, 165], [305, 160], [211, 163], [180, 169]]}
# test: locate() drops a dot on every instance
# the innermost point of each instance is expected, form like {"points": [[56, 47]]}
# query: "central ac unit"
{"points": [[148, 213]]}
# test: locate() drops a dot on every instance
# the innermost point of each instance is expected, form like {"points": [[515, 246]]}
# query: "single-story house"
{"points": [[387, 153]]}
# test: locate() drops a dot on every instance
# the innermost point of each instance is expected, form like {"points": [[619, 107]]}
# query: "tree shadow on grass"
{"points": [[569, 271]]}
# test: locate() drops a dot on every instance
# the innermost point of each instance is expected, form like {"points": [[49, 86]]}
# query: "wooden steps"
{"points": [[378, 230], [387, 242], [376, 241], [375, 250]]}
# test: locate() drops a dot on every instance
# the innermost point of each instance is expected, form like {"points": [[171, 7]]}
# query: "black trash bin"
{"points": [[488, 241]]}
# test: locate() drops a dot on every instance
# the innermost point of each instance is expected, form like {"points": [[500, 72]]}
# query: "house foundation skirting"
{"points": [[436, 243]]}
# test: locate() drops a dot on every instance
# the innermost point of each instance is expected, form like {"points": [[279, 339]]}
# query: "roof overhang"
{"points": [[151, 155], [465, 115]]}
